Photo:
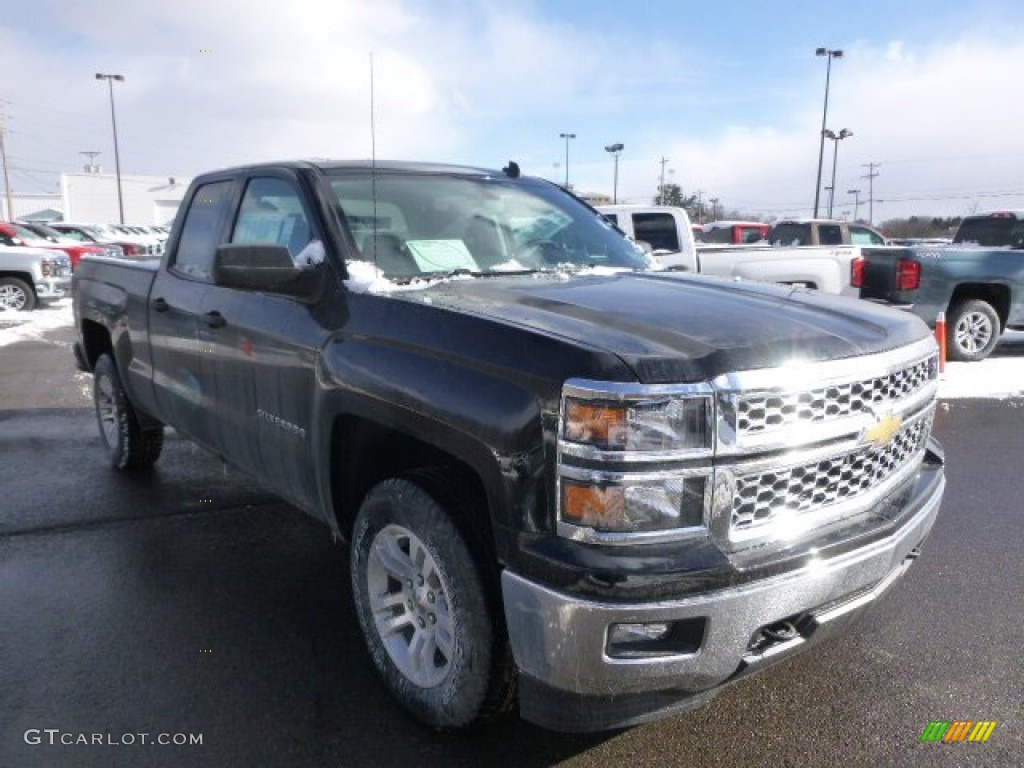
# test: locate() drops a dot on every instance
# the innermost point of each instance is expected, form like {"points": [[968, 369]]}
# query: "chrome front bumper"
{"points": [[560, 641], [52, 288]]}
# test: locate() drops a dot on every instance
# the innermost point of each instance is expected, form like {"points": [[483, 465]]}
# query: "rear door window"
{"points": [[791, 234], [203, 230], [830, 234]]}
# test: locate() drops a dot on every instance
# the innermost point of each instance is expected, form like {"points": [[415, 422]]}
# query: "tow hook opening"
{"points": [[771, 637]]}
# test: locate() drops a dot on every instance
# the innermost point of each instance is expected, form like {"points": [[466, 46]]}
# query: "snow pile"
{"points": [[999, 376], [34, 324]]}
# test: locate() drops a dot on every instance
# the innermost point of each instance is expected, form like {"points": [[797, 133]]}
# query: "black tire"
{"points": [[401, 528], [16, 294], [129, 444], [972, 331]]}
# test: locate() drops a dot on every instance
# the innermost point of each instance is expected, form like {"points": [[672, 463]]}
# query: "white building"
{"points": [[92, 197], [40, 206]]}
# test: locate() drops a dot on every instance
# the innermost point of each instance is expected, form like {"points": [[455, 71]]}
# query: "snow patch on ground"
{"points": [[999, 376], [34, 324]]}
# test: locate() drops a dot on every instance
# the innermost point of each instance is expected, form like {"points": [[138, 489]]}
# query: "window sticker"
{"points": [[441, 255]]}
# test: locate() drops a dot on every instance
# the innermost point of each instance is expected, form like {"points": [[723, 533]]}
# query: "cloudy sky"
{"points": [[731, 93]]}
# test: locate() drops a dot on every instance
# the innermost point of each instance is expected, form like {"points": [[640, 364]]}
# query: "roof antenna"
{"points": [[511, 170], [373, 167]]}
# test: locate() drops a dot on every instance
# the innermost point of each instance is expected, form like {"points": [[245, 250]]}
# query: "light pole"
{"points": [[567, 136], [113, 122], [615, 150], [829, 54], [836, 138], [856, 201]]}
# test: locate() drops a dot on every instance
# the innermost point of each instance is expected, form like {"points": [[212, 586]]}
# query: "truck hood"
{"points": [[676, 328]]}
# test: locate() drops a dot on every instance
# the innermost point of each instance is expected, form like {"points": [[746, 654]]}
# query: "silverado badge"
{"points": [[882, 431]]}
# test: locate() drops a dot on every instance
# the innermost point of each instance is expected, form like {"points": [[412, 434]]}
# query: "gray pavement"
{"points": [[188, 601]]}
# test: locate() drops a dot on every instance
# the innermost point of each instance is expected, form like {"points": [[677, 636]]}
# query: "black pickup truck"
{"points": [[566, 479]]}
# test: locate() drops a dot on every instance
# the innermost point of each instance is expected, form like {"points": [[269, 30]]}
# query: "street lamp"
{"points": [[829, 54], [615, 150], [567, 136], [856, 201], [113, 121], [836, 138]]}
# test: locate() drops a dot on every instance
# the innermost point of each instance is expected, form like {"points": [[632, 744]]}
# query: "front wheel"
{"points": [[423, 609], [16, 295], [972, 331], [128, 443]]}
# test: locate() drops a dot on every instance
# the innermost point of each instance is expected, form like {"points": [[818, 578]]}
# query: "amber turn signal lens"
{"points": [[599, 425], [593, 506]]}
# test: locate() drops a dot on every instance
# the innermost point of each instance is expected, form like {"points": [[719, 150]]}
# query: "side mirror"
{"points": [[264, 268], [645, 246]]}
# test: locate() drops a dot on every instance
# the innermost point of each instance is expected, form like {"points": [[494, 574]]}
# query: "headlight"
{"points": [[633, 459], [664, 424]]}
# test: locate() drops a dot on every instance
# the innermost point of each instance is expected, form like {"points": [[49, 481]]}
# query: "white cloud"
{"points": [[214, 83], [943, 121]]}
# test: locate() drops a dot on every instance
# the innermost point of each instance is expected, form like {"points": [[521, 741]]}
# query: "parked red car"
{"points": [[18, 234], [102, 236]]}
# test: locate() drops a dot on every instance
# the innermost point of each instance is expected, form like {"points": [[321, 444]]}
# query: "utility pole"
{"points": [[3, 157], [661, 187], [856, 201], [871, 175], [714, 208], [700, 207]]}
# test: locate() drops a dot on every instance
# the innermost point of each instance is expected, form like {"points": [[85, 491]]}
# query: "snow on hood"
{"points": [[364, 277]]}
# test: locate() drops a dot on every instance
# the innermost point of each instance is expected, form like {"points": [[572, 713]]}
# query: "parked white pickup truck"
{"points": [[32, 275], [832, 269]]}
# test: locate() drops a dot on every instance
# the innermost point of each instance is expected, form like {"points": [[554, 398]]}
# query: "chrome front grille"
{"points": [[761, 412], [815, 487]]}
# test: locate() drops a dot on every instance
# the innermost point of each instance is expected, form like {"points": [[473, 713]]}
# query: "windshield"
{"points": [[48, 232], [429, 224], [25, 233]]}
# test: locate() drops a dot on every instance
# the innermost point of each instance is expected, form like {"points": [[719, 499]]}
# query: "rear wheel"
{"points": [[424, 611], [16, 295], [972, 331], [128, 443]]}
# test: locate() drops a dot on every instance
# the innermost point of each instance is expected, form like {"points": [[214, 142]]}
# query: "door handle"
{"points": [[215, 319], [160, 304]]}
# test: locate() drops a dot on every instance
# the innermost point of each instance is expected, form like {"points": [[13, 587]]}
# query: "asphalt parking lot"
{"points": [[187, 601]]}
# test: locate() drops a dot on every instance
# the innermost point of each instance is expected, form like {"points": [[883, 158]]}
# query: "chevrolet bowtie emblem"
{"points": [[883, 431]]}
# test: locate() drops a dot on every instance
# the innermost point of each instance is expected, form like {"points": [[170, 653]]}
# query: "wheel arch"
{"points": [[96, 341], [364, 452], [23, 276], [994, 294]]}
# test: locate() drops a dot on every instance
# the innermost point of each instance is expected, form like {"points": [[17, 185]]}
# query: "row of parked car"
{"points": [[37, 258]]}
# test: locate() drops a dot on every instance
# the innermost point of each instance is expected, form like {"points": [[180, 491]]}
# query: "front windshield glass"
{"points": [[428, 224], [48, 232], [25, 233]]}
